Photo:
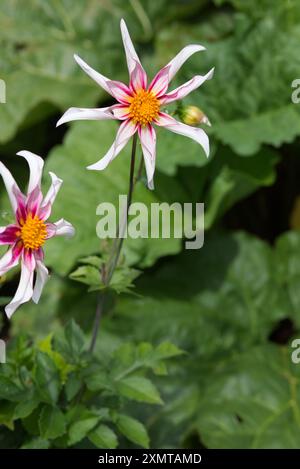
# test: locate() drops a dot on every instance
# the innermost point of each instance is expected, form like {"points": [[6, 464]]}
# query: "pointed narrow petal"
{"points": [[24, 291], [10, 185], [176, 63], [9, 234], [60, 228], [36, 164], [45, 208], [148, 141], [77, 113], [195, 133], [11, 258], [131, 55], [160, 82], [41, 278], [126, 130], [186, 88], [118, 90], [96, 76], [138, 78]]}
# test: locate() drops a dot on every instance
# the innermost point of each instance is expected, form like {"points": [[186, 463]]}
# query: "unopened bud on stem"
{"points": [[192, 115]]}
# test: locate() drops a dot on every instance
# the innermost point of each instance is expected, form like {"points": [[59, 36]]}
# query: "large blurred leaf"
{"points": [[221, 305], [249, 99]]}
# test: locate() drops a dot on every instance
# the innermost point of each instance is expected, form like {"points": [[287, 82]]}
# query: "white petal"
{"points": [[9, 183], [41, 279], [96, 76], [195, 133], [148, 141], [186, 88], [24, 291], [36, 164], [53, 189], [77, 113], [126, 130], [64, 228], [176, 63], [131, 55]]}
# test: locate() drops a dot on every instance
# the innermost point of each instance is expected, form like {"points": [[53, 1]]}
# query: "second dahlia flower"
{"points": [[140, 105], [26, 236]]}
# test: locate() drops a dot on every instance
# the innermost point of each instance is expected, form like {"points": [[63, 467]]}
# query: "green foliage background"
{"points": [[233, 307]]}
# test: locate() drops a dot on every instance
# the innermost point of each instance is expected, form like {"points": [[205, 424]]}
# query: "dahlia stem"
{"points": [[115, 257], [117, 247]]}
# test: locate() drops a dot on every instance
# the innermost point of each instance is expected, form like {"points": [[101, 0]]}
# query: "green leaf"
{"points": [[133, 430], [80, 429], [36, 443], [252, 402], [52, 422], [139, 389], [25, 408], [103, 437], [9, 389], [47, 378], [75, 339]]}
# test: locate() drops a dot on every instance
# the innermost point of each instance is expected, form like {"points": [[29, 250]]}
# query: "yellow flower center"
{"points": [[33, 232], [144, 107]]}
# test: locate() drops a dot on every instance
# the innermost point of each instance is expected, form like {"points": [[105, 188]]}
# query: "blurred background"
{"points": [[232, 306]]}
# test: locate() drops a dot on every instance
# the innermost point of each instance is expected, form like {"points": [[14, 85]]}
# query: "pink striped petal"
{"points": [[34, 200], [195, 133], [29, 259], [11, 186], [126, 130], [120, 111], [9, 234], [138, 78], [148, 141], [39, 254], [160, 82], [176, 63], [21, 211], [36, 164], [131, 55], [186, 88], [120, 91], [11, 258], [77, 113], [41, 279], [24, 291]]}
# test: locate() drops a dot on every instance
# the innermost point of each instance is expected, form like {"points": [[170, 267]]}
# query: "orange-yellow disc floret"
{"points": [[144, 107], [33, 232]]}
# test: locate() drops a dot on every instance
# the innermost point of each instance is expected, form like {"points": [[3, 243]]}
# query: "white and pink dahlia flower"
{"points": [[29, 232], [140, 105]]}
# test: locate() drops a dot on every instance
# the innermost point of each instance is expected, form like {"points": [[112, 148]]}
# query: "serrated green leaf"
{"points": [[47, 378], [133, 430], [140, 389], [52, 422], [103, 437]]}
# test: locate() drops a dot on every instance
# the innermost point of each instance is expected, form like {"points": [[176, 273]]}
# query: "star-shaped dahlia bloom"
{"points": [[140, 105], [29, 232]]}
